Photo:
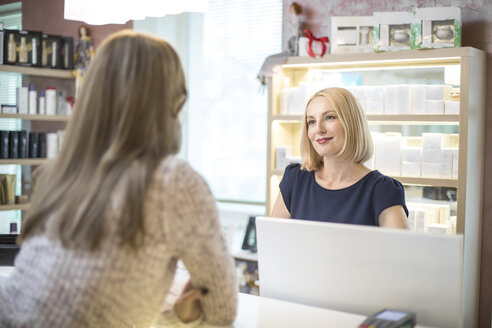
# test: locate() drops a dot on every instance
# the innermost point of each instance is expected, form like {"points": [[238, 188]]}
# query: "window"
{"points": [[227, 110]]}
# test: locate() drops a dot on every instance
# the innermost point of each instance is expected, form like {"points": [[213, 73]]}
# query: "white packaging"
{"points": [[388, 154], [51, 144], [431, 155], [431, 170], [351, 34], [410, 169], [447, 163], [411, 154], [402, 99], [284, 101], [455, 163], [393, 30], [451, 107], [420, 225], [390, 100], [33, 95], [359, 92], [281, 153], [22, 100], [411, 219], [431, 140], [418, 97], [374, 96], [434, 92], [51, 101], [436, 228], [434, 106]]}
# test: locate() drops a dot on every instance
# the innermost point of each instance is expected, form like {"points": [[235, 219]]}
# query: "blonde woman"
{"points": [[113, 213], [332, 184]]}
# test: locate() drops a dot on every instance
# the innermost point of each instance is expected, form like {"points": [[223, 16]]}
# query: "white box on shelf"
{"points": [[437, 228], [434, 106], [284, 101], [418, 97], [410, 169], [447, 163], [388, 153], [432, 140], [440, 27], [451, 107], [394, 30], [455, 163], [316, 46], [431, 170], [22, 100], [374, 96], [411, 154], [351, 34], [431, 155], [51, 144]]}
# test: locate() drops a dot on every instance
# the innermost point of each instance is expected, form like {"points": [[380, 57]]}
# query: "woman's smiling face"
{"points": [[325, 131]]}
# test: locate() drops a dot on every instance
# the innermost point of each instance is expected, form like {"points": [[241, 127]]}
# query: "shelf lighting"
{"points": [[100, 12]]}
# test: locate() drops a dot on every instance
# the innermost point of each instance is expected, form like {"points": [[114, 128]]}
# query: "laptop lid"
{"points": [[361, 269]]}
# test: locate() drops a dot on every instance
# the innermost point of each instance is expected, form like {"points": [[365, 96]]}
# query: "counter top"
{"points": [[261, 312]]}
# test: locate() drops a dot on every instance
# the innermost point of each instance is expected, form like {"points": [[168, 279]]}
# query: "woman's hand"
{"points": [[188, 307]]}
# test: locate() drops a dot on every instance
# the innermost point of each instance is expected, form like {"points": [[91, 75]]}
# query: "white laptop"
{"points": [[362, 270]]}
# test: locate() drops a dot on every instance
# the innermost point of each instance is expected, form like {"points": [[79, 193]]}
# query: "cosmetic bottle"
{"points": [[32, 99]]}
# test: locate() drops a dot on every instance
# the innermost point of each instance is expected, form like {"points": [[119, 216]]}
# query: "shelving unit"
{"points": [[39, 76], [403, 67]]}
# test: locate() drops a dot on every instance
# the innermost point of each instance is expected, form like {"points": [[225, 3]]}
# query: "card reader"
{"points": [[390, 319]]}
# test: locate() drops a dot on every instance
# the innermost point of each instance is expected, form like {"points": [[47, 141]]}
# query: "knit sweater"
{"points": [[115, 286]]}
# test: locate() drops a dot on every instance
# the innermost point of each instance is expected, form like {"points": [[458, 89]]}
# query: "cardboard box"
{"points": [[352, 34], [439, 27], [394, 30]]}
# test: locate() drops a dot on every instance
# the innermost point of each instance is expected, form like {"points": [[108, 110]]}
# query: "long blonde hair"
{"points": [[358, 147], [124, 123]]}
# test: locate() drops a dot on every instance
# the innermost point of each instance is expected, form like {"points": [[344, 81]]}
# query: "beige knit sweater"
{"points": [[116, 287]]}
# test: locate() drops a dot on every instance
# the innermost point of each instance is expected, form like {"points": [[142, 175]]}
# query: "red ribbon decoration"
{"points": [[308, 34]]}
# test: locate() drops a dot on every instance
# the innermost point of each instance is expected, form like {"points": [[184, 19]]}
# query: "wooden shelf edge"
{"points": [[437, 182], [10, 207], [384, 118], [62, 118], [35, 71], [26, 161]]}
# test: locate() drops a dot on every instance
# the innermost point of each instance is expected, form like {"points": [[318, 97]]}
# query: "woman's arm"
{"points": [[279, 209], [194, 235], [393, 217]]}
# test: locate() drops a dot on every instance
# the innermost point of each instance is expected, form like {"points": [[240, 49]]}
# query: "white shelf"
{"points": [[34, 71], [58, 118]]}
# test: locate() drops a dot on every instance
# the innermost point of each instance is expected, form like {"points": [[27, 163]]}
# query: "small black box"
{"points": [[13, 144], [33, 145], [67, 53], [23, 144], [4, 144], [42, 145], [51, 51]]}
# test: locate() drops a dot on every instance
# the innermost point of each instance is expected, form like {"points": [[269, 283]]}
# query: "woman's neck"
{"points": [[339, 174]]}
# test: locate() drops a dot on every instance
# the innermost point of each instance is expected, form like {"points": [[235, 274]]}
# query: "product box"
{"points": [[438, 27], [352, 34], [67, 53], [394, 31], [11, 40], [51, 51], [29, 48]]}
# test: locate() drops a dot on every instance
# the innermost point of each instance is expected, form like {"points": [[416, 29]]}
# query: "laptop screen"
{"points": [[360, 269]]}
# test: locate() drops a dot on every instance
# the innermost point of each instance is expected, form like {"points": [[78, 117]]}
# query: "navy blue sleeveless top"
{"points": [[360, 203]]}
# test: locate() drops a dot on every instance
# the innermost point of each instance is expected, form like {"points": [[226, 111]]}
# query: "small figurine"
{"points": [[84, 52]]}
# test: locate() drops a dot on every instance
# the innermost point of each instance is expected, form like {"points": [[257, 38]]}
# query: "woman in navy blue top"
{"points": [[332, 184]]}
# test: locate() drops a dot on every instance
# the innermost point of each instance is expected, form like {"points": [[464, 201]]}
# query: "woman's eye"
{"points": [[311, 122], [330, 117]]}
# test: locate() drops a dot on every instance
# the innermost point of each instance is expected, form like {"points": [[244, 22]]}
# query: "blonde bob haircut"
{"points": [[125, 122], [357, 148]]}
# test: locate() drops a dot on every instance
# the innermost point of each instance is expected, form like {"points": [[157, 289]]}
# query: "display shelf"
{"points": [[23, 161], [51, 118], [412, 67], [453, 183], [34, 71], [22, 207], [419, 119]]}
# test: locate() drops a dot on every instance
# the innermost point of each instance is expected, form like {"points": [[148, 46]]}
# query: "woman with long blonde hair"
{"points": [[114, 212]]}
